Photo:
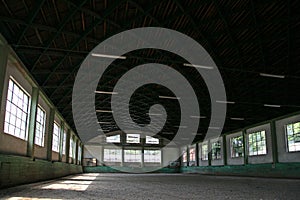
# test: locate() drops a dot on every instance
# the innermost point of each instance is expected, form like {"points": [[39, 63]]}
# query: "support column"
{"points": [[32, 124], [68, 146], [143, 142], [61, 140], [197, 156], [187, 156], [82, 154], [3, 67], [123, 142], [76, 151], [209, 152], [224, 149], [50, 134], [274, 142], [245, 147]]}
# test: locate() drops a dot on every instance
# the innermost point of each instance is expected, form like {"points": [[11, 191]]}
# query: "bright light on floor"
{"points": [[28, 198], [77, 183]]}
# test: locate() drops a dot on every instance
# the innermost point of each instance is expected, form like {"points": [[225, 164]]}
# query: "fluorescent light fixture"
{"points": [[196, 133], [155, 114], [272, 75], [229, 102], [181, 126], [168, 133], [105, 111], [104, 122], [237, 118], [272, 105], [197, 117], [214, 127], [197, 66], [108, 56], [168, 97], [104, 92]]}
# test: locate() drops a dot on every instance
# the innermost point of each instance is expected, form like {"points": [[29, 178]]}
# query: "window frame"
{"points": [[43, 128], [140, 159], [256, 142], [151, 155], [219, 152], [204, 157], [239, 147], [139, 136], [119, 156], [27, 113], [58, 141], [286, 137]]}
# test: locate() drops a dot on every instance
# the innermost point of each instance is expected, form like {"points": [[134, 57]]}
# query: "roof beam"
{"points": [[33, 13]]}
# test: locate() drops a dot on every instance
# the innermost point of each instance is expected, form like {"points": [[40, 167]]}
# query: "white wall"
{"points": [[170, 155]]}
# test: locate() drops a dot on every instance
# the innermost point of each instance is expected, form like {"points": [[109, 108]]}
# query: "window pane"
{"points": [[132, 155], [133, 138], [151, 140], [257, 143], [152, 156], [113, 139], [40, 127], [15, 109], [293, 137], [56, 138], [112, 155]]}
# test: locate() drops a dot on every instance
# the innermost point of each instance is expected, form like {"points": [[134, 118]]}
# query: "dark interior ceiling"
{"points": [[244, 37]]}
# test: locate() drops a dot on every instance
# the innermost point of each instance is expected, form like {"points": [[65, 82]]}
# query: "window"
{"points": [[79, 154], [257, 143], [184, 155], [192, 154], [152, 156], [293, 137], [56, 137], [133, 138], [64, 143], [151, 140], [216, 150], [204, 152], [71, 151], [17, 110], [237, 148], [112, 155], [132, 155], [113, 139], [40, 126]]}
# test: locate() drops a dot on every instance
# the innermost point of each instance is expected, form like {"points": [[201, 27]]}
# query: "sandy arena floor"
{"points": [[156, 186]]}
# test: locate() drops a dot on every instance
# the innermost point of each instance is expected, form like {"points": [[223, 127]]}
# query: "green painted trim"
{"points": [[197, 154], [224, 150], [118, 169], [50, 134], [76, 151], [32, 123], [3, 67], [280, 170], [245, 147], [68, 145], [61, 139]]}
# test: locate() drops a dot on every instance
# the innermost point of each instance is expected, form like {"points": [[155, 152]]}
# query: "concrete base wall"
{"points": [[107, 169], [15, 170], [279, 170]]}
